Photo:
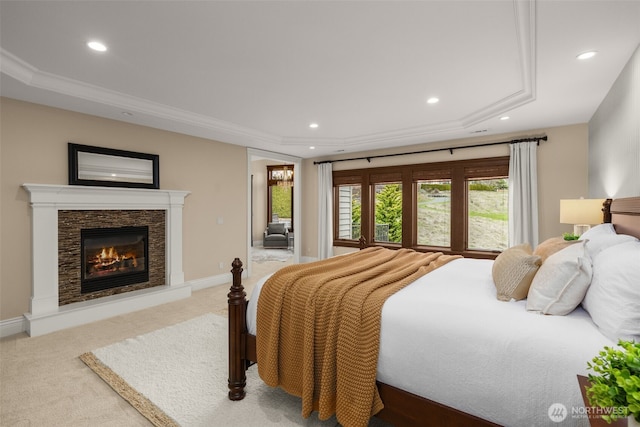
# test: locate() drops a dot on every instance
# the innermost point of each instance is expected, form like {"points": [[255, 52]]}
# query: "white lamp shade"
{"points": [[581, 211]]}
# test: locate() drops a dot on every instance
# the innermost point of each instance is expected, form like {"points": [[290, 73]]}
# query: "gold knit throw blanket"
{"points": [[318, 328]]}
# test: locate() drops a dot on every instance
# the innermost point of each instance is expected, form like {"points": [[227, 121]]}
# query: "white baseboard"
{"points": [[81, 313], [12, 326], [211, 281]]}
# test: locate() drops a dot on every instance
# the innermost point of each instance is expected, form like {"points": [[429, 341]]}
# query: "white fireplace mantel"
{"points": [[46, 200]]}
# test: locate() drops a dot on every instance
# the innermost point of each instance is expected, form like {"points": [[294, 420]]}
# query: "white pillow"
{"points": [[613, 299], [561, 282], [603, 236], [597, 244], [605, 229]]}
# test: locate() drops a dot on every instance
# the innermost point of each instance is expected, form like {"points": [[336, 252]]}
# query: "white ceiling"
{"points": [[257, 73]]}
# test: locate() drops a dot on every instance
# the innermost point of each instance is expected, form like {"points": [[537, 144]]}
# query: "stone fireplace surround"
{"points": [[46, 314], [70, 226]]}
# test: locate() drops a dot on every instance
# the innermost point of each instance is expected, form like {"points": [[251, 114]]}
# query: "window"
{"points": [[348, 205], [454, 207], [488, 214], [434, 213], [388, 213], [280, 194]]}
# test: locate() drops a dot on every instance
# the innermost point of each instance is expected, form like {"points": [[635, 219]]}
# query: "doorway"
{"points": [[257, 194]]}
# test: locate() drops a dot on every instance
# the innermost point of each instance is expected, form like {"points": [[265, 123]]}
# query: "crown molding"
{"points": [[525, 22], [29, 75]]}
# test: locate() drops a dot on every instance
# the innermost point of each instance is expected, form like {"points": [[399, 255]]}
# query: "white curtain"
{"points": [[523, 194], [325, 211]]}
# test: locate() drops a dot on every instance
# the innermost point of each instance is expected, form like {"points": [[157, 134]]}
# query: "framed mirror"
{"points": [[112, 168]]}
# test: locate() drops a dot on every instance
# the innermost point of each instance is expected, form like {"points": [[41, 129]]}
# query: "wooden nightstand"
{"points": [[596, 422]]}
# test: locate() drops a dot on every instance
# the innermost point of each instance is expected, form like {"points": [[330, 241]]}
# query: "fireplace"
{"points": [[113, 257], [60, 213], [73, 260]]}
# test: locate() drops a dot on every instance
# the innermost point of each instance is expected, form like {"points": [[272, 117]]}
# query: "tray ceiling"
{"points": [[258, 73]]}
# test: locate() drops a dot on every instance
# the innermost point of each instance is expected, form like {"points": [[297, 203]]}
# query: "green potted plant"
{"points": [[615, 383]]}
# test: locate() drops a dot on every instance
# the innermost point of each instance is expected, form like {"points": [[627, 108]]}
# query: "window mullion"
{"points": [[458, 210], [408, 209], [366, 209]]}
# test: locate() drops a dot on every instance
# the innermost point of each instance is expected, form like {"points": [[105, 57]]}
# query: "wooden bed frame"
{"points": [[401, 408]]}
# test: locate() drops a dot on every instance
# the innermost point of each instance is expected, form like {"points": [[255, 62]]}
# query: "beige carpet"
{"points": [[44, 383]]}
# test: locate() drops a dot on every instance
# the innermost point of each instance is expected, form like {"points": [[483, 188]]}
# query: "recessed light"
{"points": [[433, 100], [313, 125], [312, 148], [97, 46], [587, 55], [505, 118]]}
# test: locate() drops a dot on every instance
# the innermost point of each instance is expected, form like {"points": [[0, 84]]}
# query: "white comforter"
{"points": [[447, 338]]}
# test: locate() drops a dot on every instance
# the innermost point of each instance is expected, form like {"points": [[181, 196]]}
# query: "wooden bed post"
{"points": [[606, 211], [363, 242], [237, 311]]}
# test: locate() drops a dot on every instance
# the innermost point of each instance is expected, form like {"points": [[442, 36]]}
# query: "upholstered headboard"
{"points": [[624, 214]]}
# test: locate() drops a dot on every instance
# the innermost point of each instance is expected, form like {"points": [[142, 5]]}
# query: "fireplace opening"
{"points": [[113, 257]]}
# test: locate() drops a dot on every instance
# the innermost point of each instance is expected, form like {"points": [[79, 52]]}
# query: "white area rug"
{"points": [[273, 254], [178, 376]]}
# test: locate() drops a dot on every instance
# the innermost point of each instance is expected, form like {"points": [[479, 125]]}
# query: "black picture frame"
{"points": [[108, 167]]}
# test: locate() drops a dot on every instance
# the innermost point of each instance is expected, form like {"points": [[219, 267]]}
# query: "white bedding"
{"points": [[446, 337]]}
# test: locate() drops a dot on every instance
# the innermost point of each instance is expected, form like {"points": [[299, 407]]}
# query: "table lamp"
{"points": [[582, 213]]}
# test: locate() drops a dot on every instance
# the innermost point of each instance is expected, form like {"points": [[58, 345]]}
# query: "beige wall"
{"points": [[33, 149], [562, 173], [309, 238], [259, 220]]}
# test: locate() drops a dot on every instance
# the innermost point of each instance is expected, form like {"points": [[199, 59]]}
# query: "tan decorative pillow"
{"points": [[513, 271], [550, 246]]}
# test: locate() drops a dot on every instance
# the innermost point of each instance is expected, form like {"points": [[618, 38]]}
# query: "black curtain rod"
{"points": [[368, 158]]}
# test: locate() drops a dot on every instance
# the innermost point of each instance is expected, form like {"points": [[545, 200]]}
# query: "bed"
{"points": [[502, 363]]}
